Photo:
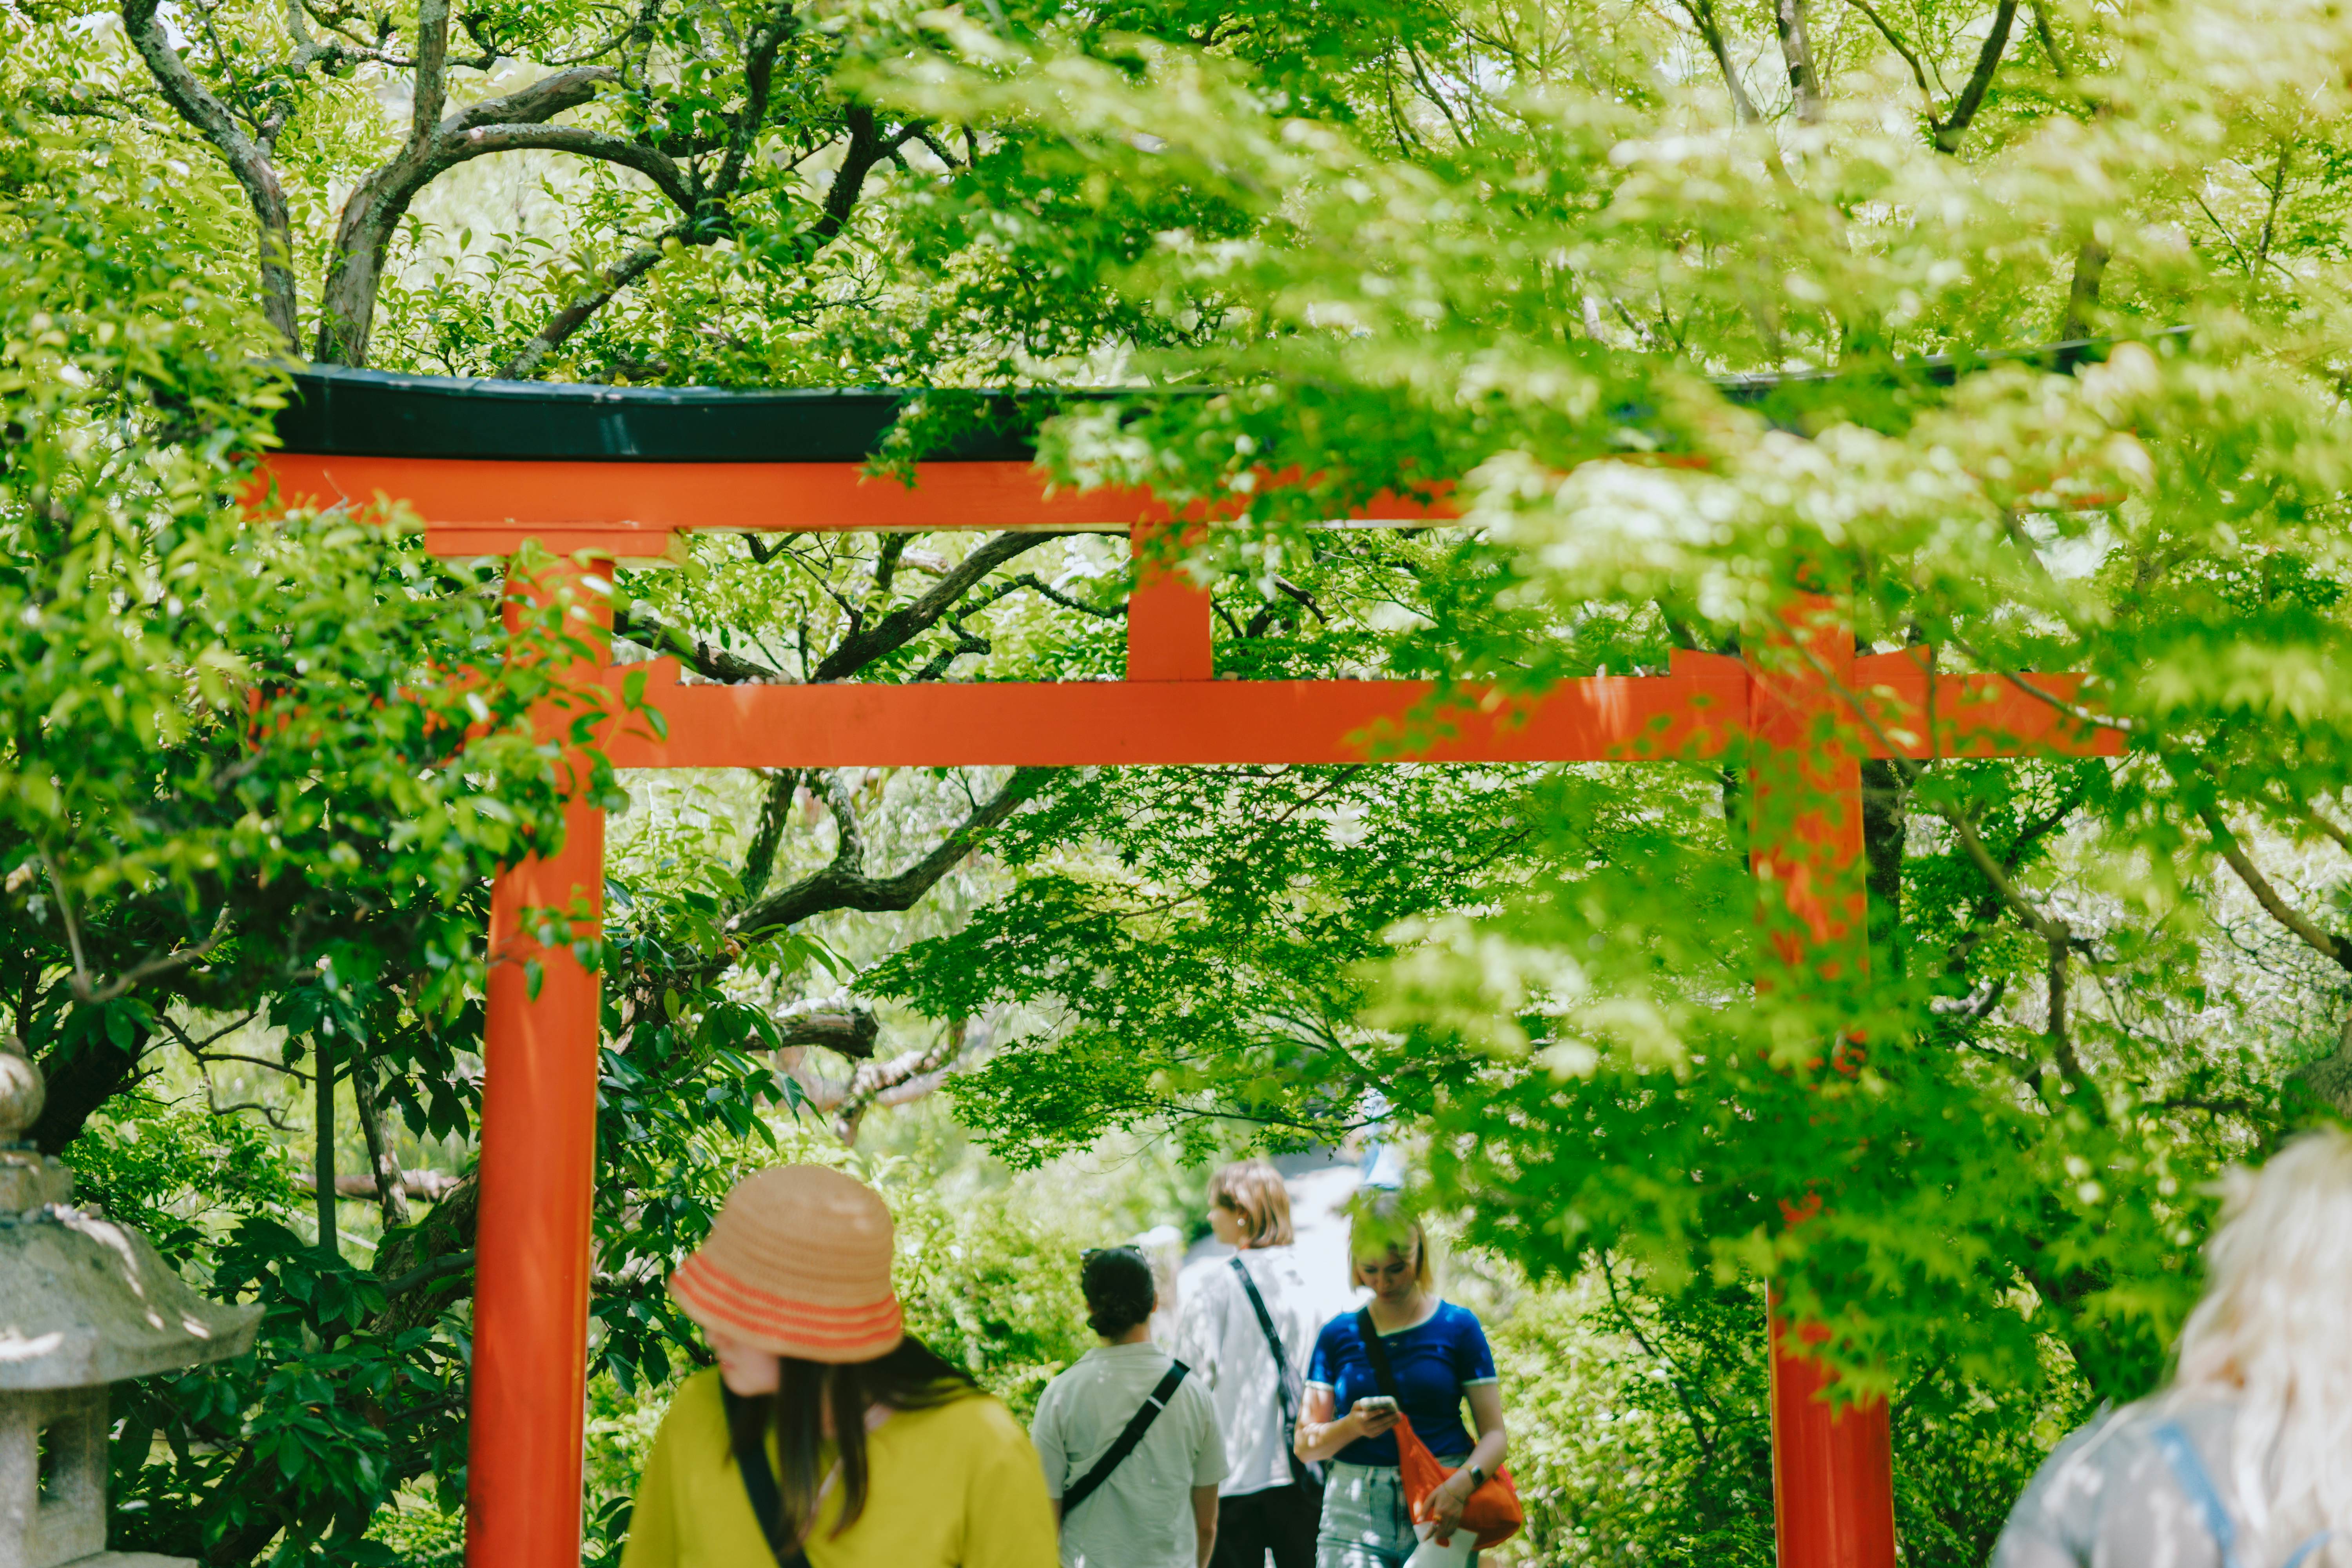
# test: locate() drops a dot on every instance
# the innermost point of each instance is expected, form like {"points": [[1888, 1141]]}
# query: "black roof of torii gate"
{"points": [[368, 413]]}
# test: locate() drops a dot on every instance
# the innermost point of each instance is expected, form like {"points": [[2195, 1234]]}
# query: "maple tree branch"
{"points": [[1972, 96], [2265, 894], [560, 326], [1710, 31], [842, 885], [1895, 39], [704, 658], [246, 160], [432, 77]]}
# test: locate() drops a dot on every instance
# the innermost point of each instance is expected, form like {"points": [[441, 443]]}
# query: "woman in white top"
{"points": [[1270, 1502], [2245, 1460]]}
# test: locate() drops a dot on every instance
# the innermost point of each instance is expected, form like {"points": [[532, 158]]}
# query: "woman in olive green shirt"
{"points": [[868, 1450]]}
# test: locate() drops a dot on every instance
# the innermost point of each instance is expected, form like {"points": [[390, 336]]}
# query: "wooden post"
{"points": [[1833, 1472], [1168, 621], [537, 1173]]}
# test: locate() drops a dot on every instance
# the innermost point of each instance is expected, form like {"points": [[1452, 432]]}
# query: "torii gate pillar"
{"points": [[537, 1175], [1833, 1470]]}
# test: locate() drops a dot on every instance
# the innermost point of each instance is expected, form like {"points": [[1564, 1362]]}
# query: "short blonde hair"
{"points": [[1381, 1227], [1254, 1192]]}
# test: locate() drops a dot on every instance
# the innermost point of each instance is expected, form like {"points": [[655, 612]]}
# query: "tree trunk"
{"points": [[1884, 826], [78, 1085], [2083, 293], [322, 1083], [1797, 48], [245, 156], [450, 1229], [391, 1186], [347, 304], [2330, 1079]]}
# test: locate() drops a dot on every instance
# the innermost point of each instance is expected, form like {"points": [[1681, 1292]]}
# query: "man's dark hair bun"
{"points": [[1120, 1289]]}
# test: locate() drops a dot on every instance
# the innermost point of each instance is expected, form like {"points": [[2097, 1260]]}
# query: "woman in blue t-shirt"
{"points": [[1440, 1358]]}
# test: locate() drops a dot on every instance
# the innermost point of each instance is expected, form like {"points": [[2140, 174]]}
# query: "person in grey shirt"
{"points": [[2245, 1459], [1158, 1509]]}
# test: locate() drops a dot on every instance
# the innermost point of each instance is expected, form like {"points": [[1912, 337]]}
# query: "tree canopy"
{"points": [[1690, 312]]}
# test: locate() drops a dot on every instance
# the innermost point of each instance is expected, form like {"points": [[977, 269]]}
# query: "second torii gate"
{"points": [[592, 473]]}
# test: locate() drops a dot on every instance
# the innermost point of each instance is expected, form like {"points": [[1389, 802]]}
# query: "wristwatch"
{"points": [[1477, 1477]]}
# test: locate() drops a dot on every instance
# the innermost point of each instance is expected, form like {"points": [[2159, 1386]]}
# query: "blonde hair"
{"points": [[1381, 1227], [1254, 1192], [2268, 1336]]}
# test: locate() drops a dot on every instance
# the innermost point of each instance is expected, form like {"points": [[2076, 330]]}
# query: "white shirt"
{"points": [[1219, 1338], [1142, 1516]]}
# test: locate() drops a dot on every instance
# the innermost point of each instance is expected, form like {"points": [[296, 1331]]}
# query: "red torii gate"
{"points": [[619, 475]]}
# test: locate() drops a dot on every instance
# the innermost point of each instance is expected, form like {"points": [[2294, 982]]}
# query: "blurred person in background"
{"points": [[1440, 1359], [825, 1437], [1128, 1438], [1247, 1330], [2245, 1460]]}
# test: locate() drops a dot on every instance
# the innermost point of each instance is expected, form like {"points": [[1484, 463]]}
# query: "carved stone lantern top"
{"points": [[83, 1303]]}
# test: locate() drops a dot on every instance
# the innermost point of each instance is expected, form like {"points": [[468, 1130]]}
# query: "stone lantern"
{"points": [[82, 1303]]}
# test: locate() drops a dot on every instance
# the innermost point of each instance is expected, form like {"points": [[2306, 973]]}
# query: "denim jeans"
{"points": [[1365, 1521]]}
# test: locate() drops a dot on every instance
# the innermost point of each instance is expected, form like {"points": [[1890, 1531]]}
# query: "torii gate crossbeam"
{"points": [[1832, 1481]]}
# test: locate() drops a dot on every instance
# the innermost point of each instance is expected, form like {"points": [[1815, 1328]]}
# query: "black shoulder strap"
{"points": [[1285, 1376], [760, 1481], [1273, 1342], [1137, 1425], [1377, 1354]]}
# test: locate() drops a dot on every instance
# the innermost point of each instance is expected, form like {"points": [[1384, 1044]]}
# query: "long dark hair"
{"points": [[912, 1377]]}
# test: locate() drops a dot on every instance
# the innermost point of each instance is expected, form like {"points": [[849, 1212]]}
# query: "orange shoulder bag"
{"points": [[1492, 1514]]}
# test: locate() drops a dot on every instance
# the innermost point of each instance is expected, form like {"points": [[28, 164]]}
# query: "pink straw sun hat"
{"points": [[797, 1264]]}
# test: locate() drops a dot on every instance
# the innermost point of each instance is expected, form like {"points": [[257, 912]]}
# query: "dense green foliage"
{"points": [[1506, 252]]}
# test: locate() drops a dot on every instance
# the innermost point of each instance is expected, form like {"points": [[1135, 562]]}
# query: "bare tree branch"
{"points": [[2048, 927], [2336, 834], [436, 1250], [432, 77], [842, 886], [775, 810], [966, 642], [759, 76], [2276, 907], [1910, 56], [542, 100], [1035, 584], [573, 316], [843, 1027], [1955, 125], [391, 1191], [244, 157], [863, 645], [425, 1186], [705, 217], [1797, 49], [2083, 290], [602, 145], [848, 836], [867, 146], [515, 121], [706, 660], [1710, 30], [907, 1076]]}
